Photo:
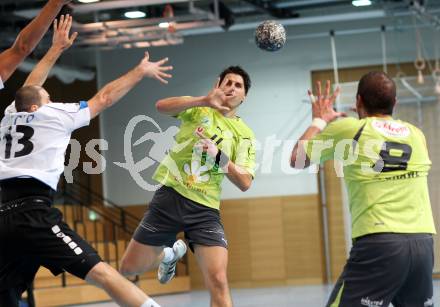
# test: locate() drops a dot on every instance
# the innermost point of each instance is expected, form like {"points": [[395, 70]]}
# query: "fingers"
{"points": [[217, 83], [161, 79], [146, 56], [163, 61], [335, 95], [199, 132], [55, 25], [327, 88], [68, 23], [311, 96], [64, 24], [165, 68], [318, 88], [61, 24], [164, 75], [73, 38]]}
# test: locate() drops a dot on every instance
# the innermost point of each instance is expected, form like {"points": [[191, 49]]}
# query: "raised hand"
{"points": [[322, 105], [61, 30], [155, 70], [216, 98]]}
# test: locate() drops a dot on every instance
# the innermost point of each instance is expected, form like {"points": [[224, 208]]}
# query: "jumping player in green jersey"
{"points": [[213, 142]]}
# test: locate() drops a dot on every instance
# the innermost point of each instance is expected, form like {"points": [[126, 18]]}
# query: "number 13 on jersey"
{"points": [[17, 141]]}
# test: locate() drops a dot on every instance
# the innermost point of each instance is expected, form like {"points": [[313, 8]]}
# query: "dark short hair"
{"points": [[378, 93], [26, 97], [238, 71]]}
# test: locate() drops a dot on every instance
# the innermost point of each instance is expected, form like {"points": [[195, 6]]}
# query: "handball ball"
{"points": [[270, 36]]}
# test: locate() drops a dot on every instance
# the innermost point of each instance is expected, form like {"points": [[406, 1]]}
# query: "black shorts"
{"points": [[387, 268], [33, 234], [170, 213]]}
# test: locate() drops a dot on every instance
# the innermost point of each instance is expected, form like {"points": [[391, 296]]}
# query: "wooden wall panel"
{"points": [[303, 240], [236, 217], [266, 239], [272, 241]]}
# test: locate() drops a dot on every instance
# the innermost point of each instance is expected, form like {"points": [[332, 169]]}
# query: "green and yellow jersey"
{"points": [[385, 167], [194, 174]]}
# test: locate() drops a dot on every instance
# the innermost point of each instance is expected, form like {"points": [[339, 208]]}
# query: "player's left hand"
{"points": [[322, 105], [205, 144], [155, 70], [61, 30]]}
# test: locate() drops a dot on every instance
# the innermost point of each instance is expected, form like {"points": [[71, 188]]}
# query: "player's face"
{"points": [[233, 86]]}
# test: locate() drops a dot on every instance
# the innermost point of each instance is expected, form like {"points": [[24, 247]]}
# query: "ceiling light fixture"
{"points": [[164, 25], [361, 2], [88, 1], [135, 14]]}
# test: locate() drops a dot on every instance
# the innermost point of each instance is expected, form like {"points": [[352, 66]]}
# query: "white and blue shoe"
{"points": [[167, 270]]}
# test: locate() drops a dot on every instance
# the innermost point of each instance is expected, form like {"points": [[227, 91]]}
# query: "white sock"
{"points": [[168, 254], [150, 303]]}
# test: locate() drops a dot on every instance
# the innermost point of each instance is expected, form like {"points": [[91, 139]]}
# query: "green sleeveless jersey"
{"points": [[385, 167]]}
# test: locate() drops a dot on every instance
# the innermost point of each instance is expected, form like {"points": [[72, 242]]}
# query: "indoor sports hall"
{"points": [[288, 230]]}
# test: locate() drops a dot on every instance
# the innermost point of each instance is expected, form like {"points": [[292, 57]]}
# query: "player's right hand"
{"points": [[322, 105], [216, 98]]}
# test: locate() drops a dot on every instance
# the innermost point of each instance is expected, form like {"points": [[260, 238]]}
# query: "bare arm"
{"points": [[118, 88], [322, 109], [299, 158], [238, 176], [28, 38], [174, 105], [60, 42]]}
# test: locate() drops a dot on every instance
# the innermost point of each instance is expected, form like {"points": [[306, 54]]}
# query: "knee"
{"points": [[101, 274], [218, 281], [128, 268]]}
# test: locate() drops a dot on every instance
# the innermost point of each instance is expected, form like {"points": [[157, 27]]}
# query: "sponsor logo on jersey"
{"points": [[366, 301], [390, 128]]}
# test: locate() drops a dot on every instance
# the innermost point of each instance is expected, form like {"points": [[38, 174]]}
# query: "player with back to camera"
{"points": [[34, 134]]}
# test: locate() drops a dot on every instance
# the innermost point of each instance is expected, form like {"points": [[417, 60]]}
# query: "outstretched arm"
{"points": [[118, 88], [174, 105], [28, 38], [60, 42]]}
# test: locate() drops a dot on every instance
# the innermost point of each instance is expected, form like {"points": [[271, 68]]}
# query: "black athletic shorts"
{"points": [[170, 213], [32, 234], [387, 268]]}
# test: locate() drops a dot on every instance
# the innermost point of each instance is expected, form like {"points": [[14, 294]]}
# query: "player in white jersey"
{"points": [[28, 39], [34, 135]]}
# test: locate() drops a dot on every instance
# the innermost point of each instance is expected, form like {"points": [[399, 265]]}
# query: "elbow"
{"points": [[21, 47], [105, 99], [246, 185], [297, 163], [160, 106]]}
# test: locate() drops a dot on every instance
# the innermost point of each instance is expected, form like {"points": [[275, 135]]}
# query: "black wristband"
{"points": [[221, 159]]}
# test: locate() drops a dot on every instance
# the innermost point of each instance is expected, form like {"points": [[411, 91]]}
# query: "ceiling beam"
{"points": [[116, 4]]}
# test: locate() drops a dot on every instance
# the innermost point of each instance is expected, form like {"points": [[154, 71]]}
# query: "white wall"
{"points": [[274, 105]]}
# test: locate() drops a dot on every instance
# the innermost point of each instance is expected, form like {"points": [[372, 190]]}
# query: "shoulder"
{"points": [[245, 130], [346, 127], [347, 123], [67, 107]]}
